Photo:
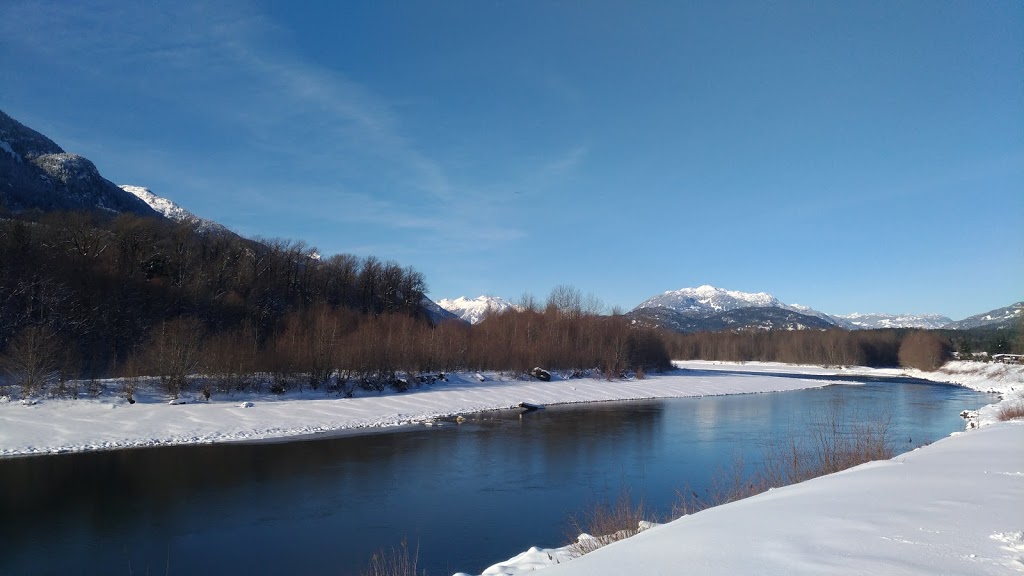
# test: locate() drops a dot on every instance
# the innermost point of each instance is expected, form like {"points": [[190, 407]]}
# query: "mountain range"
{"points": [[37, 174], [707, 308], [998, 318], [476, 309], [870, 321], [711, 308]]}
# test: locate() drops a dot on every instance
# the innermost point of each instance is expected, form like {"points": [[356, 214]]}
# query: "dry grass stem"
{"points": [[395, 562]]}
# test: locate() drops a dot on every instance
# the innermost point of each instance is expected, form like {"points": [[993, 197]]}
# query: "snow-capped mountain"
{"points": [[705, 299], [172, 210], [1000, 318], [475, 310], [875, 321], [36, 173], [711, 308]]}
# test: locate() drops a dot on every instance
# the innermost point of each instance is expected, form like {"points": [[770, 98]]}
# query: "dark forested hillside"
{"points": [[101, 283]]}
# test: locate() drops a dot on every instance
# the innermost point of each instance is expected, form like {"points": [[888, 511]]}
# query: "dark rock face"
{"points": [[35, 173]]}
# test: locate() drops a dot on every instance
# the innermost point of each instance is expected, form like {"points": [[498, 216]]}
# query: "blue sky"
{"points": [[850, 156]]}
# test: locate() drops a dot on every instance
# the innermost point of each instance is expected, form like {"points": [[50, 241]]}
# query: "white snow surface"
{"points": [[476, 309], [954, 507], [160, 204], [173, 211], [108, 422]]}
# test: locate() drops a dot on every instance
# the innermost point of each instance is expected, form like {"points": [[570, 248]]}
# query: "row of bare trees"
{"points": [[922, 349], [340, 349]]}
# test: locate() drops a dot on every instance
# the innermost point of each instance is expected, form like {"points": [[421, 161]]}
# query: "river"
{"points": [[467, 495]]}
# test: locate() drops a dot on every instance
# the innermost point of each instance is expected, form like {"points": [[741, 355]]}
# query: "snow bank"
{"points": [[55, 426], [953, 507]]}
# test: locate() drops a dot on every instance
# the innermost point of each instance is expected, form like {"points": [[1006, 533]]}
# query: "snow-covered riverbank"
{"points": [[48, 426], [953, 507]]}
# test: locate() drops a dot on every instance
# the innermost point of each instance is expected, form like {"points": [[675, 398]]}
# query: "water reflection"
{"points": [[469, 495]]}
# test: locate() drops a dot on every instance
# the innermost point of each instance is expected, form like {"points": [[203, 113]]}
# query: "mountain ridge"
{"points": [[476, 309], [37, 174], [998, 318], [707, 307], [876, 320], [173, 211]]}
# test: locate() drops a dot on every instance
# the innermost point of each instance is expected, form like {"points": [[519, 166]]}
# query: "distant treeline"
{"points": [[924, 349], [87, 295]]}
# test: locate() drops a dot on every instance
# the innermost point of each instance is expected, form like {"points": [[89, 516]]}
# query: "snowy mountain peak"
{"points": [[476, 309], [161, 205], [874, 321], [710, 308], [711, 299], [173, 211]]}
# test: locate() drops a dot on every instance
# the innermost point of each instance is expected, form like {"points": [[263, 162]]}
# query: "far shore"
{"points": [[57, 426]]}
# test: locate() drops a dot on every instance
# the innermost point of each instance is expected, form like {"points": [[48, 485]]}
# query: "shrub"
{"points": [[395, 562], [1011, 410], [727, 485], [832, 445], [607, 522], [30, 359]]}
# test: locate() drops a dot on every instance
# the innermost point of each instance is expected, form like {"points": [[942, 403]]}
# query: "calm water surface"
{"points": [[470, 495]]}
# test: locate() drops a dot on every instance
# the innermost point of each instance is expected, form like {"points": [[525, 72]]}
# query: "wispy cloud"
{"points": [[229, 66]]}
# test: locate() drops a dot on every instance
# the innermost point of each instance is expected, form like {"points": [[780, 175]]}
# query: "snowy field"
{"points": [[48, 426]]}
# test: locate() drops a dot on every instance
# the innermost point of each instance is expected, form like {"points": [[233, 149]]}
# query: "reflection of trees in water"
{"points": [[440, 479], [117, 485]]}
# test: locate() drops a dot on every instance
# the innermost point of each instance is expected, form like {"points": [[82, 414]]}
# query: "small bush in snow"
{"points": [[606, 522], [1011, 410]]}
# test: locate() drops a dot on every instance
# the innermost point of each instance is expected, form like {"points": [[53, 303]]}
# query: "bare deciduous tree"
{"points": [[173, 352], [31, 359]]}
